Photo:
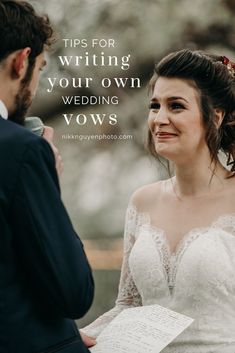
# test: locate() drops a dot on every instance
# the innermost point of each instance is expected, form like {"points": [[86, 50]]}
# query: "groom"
{"points": [[45, 279]]}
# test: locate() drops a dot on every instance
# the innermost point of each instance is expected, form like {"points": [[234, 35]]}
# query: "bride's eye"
{"points": [[154, 106], [177, 106]]}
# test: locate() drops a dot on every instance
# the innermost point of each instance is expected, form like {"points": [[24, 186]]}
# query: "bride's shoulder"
{"points": [[146, 195]]}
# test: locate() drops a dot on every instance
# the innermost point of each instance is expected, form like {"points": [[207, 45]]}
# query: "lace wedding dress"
{"points": [[197, 280]]}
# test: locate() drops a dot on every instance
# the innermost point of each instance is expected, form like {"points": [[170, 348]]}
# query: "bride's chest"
{"points": [[203, 257], [179, 220]]}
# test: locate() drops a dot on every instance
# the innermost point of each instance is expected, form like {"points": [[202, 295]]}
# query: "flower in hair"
{"points": [[230, 65]]}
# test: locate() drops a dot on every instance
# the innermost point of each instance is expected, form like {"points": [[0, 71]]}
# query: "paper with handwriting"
{"points": [[146, 329]]}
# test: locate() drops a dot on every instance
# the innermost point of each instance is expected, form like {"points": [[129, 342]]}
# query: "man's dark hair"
{"points": [[21, 27]]}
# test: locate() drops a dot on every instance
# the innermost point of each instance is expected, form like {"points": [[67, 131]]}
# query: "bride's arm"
{"points": [[128, 295]]}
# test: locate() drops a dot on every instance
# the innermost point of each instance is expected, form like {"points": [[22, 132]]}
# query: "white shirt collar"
{"points": [[3, 110]]}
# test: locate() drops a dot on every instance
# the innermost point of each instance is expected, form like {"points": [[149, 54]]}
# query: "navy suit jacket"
{"points": [[45, 278]]}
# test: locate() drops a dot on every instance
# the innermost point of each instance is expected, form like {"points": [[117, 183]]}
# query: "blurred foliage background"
{"points": [[100, 176]]}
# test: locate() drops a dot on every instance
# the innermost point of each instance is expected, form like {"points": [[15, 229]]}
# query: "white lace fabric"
{"points": [[197, 279]]}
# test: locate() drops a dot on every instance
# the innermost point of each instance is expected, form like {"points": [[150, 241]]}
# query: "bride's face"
{"points": [[175, 119]]}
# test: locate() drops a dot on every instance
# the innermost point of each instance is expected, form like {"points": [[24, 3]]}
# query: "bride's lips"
{"points": [[165, 135]]}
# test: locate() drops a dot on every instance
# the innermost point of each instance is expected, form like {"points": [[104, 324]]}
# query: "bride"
{"points": [[179, 242]]}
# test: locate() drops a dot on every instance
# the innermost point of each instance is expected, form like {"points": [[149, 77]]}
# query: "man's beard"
{"points": [[23, 101], [24, 98]]}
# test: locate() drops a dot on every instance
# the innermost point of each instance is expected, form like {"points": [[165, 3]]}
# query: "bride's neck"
{"points": [[197, 179]]}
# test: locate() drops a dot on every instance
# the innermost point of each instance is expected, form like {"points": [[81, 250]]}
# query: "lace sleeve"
{"points": [[128, 295]]}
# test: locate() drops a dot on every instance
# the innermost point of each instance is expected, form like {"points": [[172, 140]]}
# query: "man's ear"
{"points": [[20, 62], [219, 116]]}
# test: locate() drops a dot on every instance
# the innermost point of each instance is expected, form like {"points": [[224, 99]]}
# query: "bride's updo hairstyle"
{"points": [[214, 78]]}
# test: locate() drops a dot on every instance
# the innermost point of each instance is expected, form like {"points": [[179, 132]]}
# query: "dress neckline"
{"points": [[220, 221], [171, 259]]}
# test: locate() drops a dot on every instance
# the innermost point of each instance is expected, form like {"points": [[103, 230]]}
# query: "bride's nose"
{"points": [[161, 116]]}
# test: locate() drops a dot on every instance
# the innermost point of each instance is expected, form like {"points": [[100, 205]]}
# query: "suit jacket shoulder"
{"points": [[15, 144]]}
